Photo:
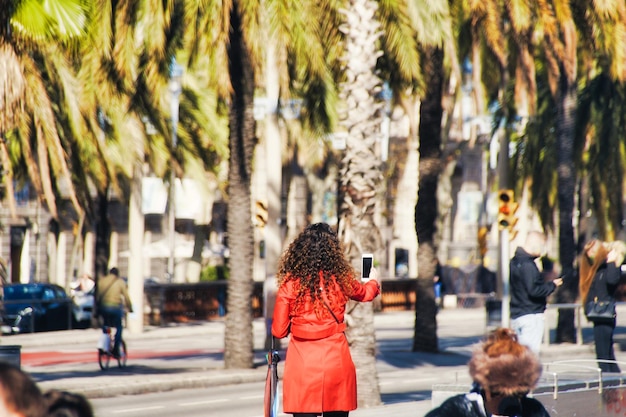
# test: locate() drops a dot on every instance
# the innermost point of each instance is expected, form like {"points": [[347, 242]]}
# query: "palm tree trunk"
{"points": [[360, 179], [566, 177], [431, 113], [238, 338], [103, 230]]}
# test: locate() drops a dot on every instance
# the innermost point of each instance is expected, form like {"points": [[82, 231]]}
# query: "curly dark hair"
{"points": [[316, 254], [67, 404]]}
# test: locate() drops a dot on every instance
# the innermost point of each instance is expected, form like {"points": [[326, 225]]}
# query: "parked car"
{"points": [[37, 307], [5, 328]]}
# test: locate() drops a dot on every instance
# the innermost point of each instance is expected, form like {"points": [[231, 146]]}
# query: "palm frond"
{"points": [[12, 85], [34, 23], [403, 29]]}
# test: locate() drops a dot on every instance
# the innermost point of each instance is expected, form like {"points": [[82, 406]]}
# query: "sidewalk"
{"points": [[191, 356]]}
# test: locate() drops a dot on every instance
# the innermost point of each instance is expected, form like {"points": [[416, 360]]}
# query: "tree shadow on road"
{"points": [[452, 352], [404, 397]]}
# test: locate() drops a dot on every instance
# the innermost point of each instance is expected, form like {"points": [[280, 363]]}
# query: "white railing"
{"points": [[577, 366]]}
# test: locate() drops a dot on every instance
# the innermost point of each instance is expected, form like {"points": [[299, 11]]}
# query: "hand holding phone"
{"points": [[367, 261], [374, 274]]}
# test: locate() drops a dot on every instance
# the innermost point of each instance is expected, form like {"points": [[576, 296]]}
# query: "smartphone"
{"points": [[367, 260]]}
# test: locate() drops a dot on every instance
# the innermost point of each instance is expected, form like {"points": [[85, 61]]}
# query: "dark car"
{"points": [[36, 307]]}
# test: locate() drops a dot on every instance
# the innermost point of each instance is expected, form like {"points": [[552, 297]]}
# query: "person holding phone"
{"points": [[315, 281], [599, 275], [529, 291]]}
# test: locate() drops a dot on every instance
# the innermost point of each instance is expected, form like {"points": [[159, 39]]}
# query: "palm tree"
{"points": [[360, 174], [33, 48], [124, 71], [308, 76], [600, 27], [430, 166], [599, 132], [360, 177], [566, 183], [238, 344], [300, 40], [102, 107], [597, 145], [434, 35], [315, 84]]}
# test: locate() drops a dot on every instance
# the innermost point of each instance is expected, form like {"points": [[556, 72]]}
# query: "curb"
{"points": [[119, 384]]}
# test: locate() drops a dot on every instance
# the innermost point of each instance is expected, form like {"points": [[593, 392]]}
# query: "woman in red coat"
{"points": [[315, 281]]}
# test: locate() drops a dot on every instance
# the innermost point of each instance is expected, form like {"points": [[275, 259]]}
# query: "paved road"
{"points": [[190, 356]]}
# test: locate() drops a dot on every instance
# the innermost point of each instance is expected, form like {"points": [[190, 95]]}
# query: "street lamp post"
{"points": [[175, 88]]}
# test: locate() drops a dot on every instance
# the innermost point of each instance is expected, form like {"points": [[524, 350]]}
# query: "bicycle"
{"points": [[105, 350]]}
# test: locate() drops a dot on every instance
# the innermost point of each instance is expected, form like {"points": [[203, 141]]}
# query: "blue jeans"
{"points": [[529, 329], [437, 290], [113, 317]]}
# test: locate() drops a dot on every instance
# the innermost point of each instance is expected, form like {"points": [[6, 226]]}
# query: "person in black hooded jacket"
{"points": [[504, 372], [529, 292], [600, 274]]}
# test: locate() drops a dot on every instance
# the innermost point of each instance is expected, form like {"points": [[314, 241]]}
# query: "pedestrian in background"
{"points": [[84, 284], [503, 372], [113, 300], [439, 286], [19, 395], [599, 271], [529, 292], [315, 281]]}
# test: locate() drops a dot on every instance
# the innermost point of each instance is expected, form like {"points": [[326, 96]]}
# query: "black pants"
{"points": [[326, 414], [603, 336]]}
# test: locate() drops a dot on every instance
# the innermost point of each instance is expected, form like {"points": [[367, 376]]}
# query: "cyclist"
{"points": [[112, 299]]}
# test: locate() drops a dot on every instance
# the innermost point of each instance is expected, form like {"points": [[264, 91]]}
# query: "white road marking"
{"points": [[134, 410], [221, 400]]}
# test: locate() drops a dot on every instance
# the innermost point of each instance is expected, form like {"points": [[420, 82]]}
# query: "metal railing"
{"points": [[577, 319], [168, 303], [576, 366]]}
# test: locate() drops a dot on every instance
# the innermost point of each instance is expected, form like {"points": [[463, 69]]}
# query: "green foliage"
{"points": [[601, 123], [214, 273], [60, 19], [536, 155]]}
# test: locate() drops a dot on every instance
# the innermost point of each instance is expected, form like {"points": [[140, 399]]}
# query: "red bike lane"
{"points": [[48, 358]]}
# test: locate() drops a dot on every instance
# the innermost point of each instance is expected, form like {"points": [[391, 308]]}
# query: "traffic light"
{"points": [[482, 240], [260, 216], [506, 210]]}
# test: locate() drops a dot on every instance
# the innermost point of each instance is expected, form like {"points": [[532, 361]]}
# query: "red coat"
{"points": [[319, 373]]}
